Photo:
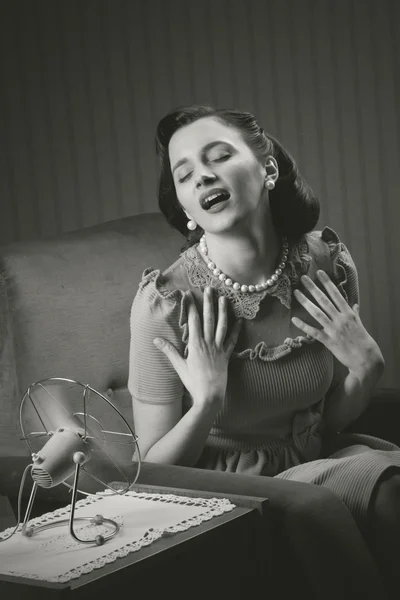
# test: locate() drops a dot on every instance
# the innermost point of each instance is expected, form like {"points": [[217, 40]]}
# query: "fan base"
{"points": [[99, 540]]}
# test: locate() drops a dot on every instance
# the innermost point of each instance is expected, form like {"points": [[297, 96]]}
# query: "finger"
{"points": [[333, 291], [222, 323], [312, 309], [233, 337], [208, 315], [170, 352], [324, 302], [317, 334], [194, 321]]}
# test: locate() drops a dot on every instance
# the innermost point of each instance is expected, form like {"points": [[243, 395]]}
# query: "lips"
{"points": [[211, 197]]}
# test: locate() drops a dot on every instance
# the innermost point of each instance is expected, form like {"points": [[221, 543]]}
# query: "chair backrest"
{"points": [[65, 306]]}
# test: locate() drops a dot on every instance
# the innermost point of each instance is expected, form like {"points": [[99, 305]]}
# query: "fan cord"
{"points": [[21, 487]]}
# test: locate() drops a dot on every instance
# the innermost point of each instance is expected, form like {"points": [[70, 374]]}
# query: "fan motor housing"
{"points": [[55, 462]]}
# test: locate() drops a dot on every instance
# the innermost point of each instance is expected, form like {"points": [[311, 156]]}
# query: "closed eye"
{"points": [[221, 158], [185, 177], [218, 159]]}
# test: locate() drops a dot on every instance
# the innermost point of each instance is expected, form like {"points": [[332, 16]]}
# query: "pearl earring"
{"points": [[270, 184], [191, 225]]}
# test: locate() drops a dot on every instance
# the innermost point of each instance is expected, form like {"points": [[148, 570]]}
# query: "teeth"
{"points": [[212, 197], [207, 202]]}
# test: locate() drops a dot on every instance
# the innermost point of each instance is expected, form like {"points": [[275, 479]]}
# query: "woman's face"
{"points": [[218, 180]]}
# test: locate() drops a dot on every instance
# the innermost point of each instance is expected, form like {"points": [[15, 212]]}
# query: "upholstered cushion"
{"points": [[65, 306]]}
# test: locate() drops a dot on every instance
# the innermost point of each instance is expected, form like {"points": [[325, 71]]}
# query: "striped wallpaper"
{"points": [[84, 82]]}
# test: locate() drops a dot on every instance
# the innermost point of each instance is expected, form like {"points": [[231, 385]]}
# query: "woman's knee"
{"points": [[320, 510], [317, 501], [389, 486], [385, 502]]}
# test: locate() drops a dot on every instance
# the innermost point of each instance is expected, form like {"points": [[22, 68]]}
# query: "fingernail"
{"points": [[158, 342]]}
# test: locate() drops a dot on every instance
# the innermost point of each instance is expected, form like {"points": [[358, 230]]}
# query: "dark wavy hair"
{"points": [[294, 207]]}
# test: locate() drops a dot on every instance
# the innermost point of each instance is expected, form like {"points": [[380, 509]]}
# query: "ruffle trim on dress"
{"points": [[269, 354], [151, 275], [341, 260], [154, 277], [299, 262]]}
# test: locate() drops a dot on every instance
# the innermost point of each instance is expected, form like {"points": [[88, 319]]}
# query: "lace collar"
{"points": [[247, 305]]}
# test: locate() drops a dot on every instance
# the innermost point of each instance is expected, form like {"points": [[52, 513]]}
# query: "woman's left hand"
{"points": [[342, 331]]}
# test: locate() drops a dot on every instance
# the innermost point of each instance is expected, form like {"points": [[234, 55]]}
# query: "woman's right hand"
{"points": [[204, 372]]}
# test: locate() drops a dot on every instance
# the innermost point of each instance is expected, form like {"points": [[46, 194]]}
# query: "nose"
{"points": [[204, 176]]}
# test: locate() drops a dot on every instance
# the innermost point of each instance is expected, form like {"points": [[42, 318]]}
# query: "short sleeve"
{"points": [[344, 271], [156, 312]]}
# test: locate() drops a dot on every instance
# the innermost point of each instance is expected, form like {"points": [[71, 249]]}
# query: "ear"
{"points": [[271, 169]]}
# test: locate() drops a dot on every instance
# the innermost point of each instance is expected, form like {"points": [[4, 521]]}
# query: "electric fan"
{"points": [[78, 438]]}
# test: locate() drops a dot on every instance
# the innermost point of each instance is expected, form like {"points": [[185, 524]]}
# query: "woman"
{"points": [[280, 360]]}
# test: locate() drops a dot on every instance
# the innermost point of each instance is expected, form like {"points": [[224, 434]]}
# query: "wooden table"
{"points": [[225, 557]]}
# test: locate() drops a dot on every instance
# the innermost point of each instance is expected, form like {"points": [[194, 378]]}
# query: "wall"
{"points": [[84, 83]]}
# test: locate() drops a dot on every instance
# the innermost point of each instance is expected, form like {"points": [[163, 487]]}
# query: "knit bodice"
{"points": [[277, 379]]}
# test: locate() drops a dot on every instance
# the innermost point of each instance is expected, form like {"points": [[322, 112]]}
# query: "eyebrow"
{"points": [[208, 146]]}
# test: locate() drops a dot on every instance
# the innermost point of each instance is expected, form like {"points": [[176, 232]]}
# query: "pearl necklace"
{"points": [[246, 288]]}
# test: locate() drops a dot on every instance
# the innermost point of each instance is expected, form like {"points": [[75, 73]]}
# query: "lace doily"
{"points": [[247, 305], [53, 555]]}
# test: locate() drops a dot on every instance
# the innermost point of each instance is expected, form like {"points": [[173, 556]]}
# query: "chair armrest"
{"points": [[191, 478]]}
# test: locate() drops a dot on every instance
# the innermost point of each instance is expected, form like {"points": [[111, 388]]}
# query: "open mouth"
{"points": [[213, 199]]}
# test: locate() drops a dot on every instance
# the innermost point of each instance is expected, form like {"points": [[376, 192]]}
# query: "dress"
{"points": [[272, 419]]}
